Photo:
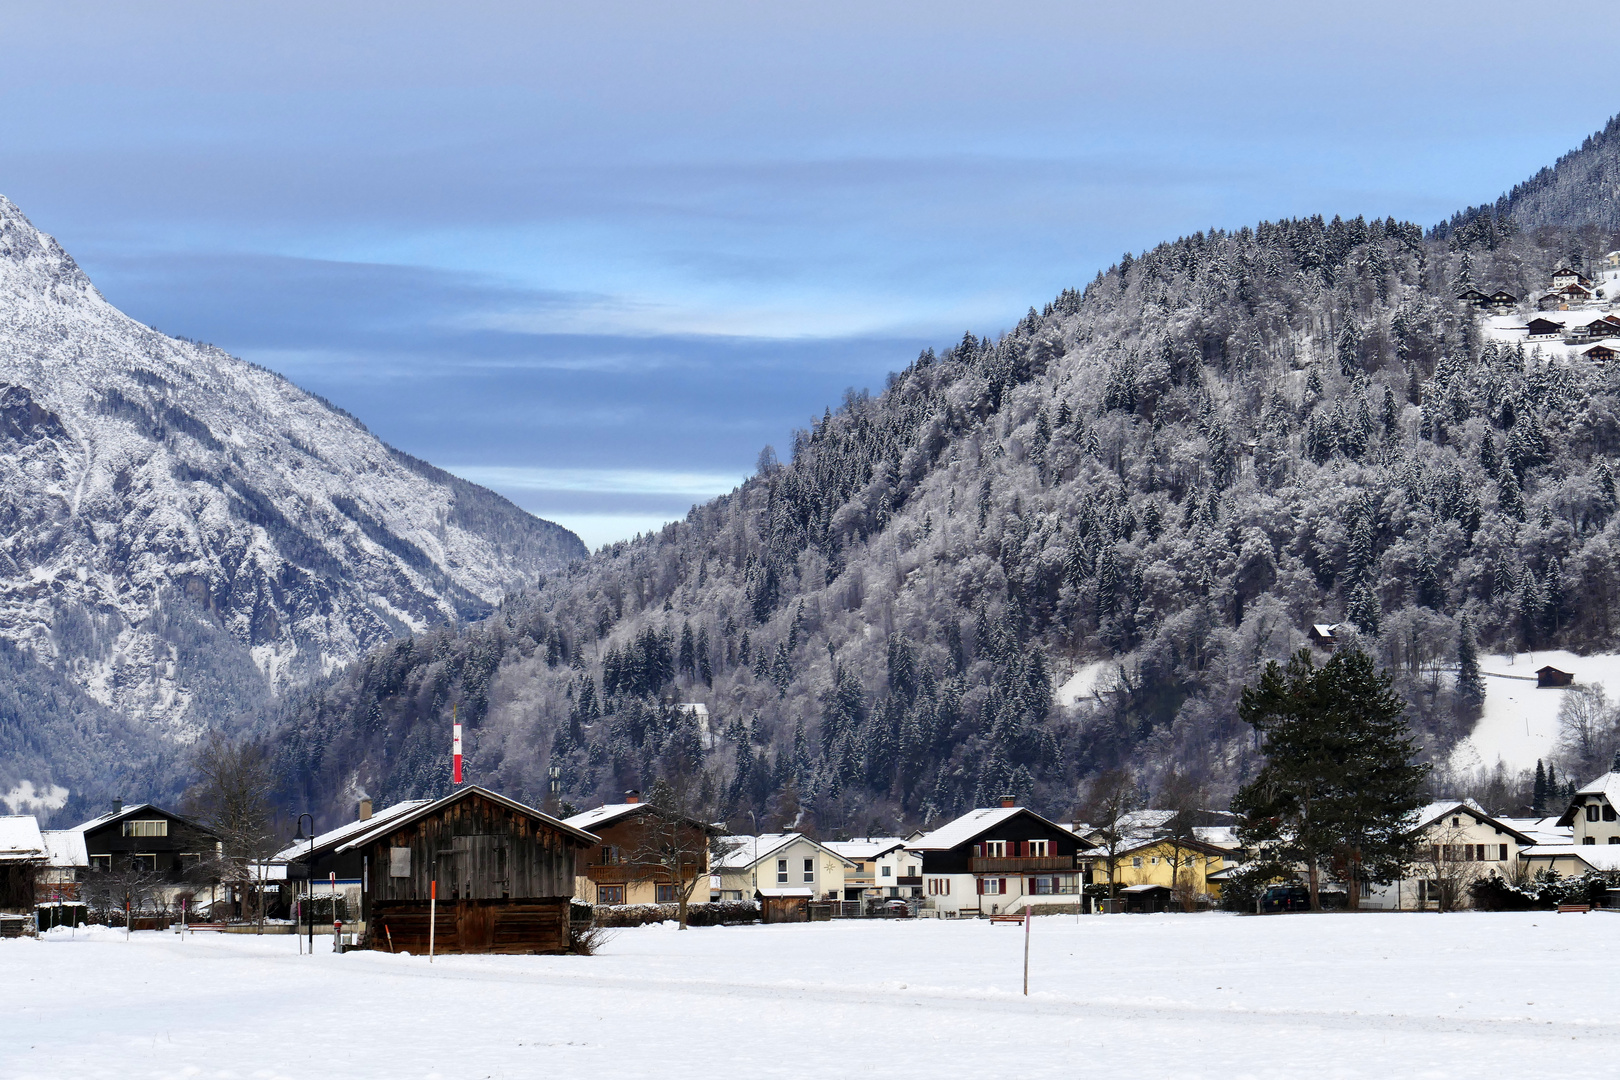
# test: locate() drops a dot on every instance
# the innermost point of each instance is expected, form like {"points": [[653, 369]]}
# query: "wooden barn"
{"points": [[1551, 676], [784, 905], [504, 874]]}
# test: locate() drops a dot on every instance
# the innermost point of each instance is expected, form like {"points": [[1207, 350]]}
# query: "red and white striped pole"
{"points": [[455, 743]]}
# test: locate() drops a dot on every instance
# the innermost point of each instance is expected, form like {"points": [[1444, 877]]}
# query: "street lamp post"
{"points": [[309, 881]]}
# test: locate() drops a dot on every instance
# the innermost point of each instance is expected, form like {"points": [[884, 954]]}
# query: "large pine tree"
{"points": [[1341, 780]]}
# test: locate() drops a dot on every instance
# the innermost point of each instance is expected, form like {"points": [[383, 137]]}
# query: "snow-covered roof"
{"points": [[376, 828], [65, 847], [112, 815], [1144, 887], [1607, 785], [786, 894], [747, 852], [1542, 830], [20, 839], [1434, 811], [299, 849], [612, 812], [1221, 836], [1597, 856], [871, 847], [970, 825]]}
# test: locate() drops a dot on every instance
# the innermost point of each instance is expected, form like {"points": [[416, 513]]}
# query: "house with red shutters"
{"points": [[999, 861]]}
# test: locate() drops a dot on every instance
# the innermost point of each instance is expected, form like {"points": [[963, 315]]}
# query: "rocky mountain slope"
{"points": [[183, 534], [1158, 482]]}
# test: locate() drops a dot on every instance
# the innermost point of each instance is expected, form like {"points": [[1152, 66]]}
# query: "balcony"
{"points": [[1043, 865], [917, 880]]}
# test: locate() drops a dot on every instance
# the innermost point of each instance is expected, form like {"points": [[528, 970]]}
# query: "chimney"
{"points": [[632, 796], [118, 806], [365, 810], [1007, 802]]}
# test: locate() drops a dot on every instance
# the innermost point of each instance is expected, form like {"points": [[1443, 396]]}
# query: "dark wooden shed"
{"points": [[784, 905], [1551, 676], [504, 872]]}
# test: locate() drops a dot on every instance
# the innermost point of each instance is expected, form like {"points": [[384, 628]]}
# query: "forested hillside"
{"points": [[1176, 470], [1582, 188]]}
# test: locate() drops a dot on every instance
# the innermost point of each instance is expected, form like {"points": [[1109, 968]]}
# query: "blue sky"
{"points": [[597, 256]]}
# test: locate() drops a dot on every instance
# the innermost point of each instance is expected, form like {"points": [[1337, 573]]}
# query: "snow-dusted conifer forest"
{"points": [[1165, 477]]}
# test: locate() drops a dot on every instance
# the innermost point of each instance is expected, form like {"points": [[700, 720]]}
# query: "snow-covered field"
{"points": [[1378, 995], [1520, 722]]}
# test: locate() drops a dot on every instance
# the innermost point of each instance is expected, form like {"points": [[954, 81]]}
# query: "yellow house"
{"points": [[1163, 873]]}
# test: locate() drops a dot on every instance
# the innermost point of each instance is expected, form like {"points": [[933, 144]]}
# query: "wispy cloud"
{"points": [[605, 481]]}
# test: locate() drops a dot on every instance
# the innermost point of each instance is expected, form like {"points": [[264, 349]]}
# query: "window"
{"points": [[1155, 860], [1038, 849], [1502, 855], [888, 871], [161, 828], [101, 863], [1136, 862], [810, 870], [610, 855], [994, 849], [1589, 840], [610, 894], [1052, 885], [1608, 813], [781, 871], [143, 862], [399, 862], [1593, 812], [992, 886], [1456, 823], [939, 886], [667, 895]]}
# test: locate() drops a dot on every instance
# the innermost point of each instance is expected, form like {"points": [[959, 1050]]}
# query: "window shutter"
{"points": [[1504, 853], [980, 882], [1003, 886]]}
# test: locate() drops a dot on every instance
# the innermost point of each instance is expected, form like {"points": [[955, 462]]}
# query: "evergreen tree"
{"points": [[1470, 683], [1341, 778], [1538, 797]]}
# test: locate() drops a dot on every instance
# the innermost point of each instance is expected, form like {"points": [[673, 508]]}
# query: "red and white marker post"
{"points": [[455, 745]]}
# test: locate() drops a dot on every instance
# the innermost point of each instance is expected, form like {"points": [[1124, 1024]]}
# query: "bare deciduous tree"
{"points": [[1109, 799], [1586, 730], [233, 798], [674, 843]]}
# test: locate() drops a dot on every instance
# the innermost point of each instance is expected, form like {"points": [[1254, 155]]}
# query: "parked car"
{"points": [[897, 909], [1280, 898]]}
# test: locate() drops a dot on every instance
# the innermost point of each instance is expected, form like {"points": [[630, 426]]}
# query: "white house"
{"points": [[1460, 844], [1592, 821], [777, 861], [883, 867]]}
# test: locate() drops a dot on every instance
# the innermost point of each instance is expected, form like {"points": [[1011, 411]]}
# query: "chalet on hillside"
{"points": [[1321, 635], [1474, 297], [504, 874], [1592, 331], [1600, 354], [1564, 276], [1550, 676], [1543, 330], [1501, 300], [1552, 302]]}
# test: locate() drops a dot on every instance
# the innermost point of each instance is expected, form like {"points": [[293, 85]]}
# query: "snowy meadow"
{"points": [[1407, 995]]}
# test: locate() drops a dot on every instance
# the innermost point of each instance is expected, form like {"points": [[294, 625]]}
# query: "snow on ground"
{"points": [[1082, 684], [1336, 996], [1520, 722]]}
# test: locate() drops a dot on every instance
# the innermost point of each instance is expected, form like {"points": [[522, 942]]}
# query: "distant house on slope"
{"points": [[1543, 330], [1599, 354], [1564, 277], [1321, 635], [1501, 300], [1552, 677], [1473, 297]]}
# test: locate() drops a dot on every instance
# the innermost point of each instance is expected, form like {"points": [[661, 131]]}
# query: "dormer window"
{"points": [[1608, 813], [1593, 812]]}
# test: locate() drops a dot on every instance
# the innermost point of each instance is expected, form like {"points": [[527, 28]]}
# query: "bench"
{"points": [[195, 926], [1574, 909], [1006, 918]]}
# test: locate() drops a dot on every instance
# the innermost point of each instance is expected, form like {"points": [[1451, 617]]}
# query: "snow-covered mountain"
{"points": [[183, 533]]}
